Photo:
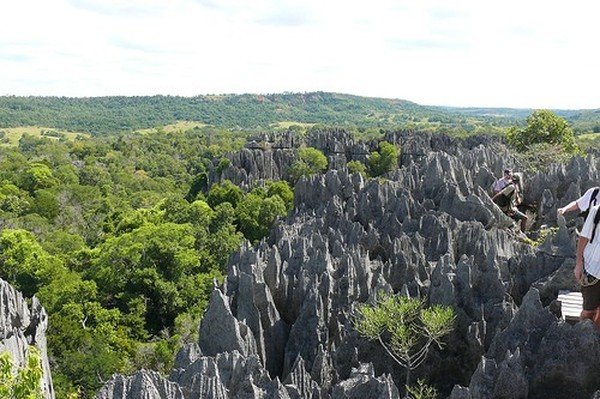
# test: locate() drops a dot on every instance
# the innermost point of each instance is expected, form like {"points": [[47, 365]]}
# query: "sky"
{"points": [[464, 53]]}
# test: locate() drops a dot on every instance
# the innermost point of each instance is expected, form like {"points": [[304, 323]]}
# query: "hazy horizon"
{"points": [[512, 54]]}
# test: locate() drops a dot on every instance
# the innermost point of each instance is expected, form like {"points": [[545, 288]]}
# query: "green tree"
{"points": [[153, 261], [45, 204], [357, 167], [24, 263], [404, 327], [283, 190], [225, 191], [256, 215], [310, 161], [543, 126], [14, 200], [383, 161], [37, 176], [27, 382]]}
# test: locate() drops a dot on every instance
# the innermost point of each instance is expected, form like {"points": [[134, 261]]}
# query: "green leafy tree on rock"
{"points": [[404, 327], [383, 161], [310, 161]]}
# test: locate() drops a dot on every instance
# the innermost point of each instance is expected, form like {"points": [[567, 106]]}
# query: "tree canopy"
{"points": [[121, 238], [542, 126]]}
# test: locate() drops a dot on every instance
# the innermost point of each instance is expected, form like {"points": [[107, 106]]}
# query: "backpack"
{"points": [[593, 202]]}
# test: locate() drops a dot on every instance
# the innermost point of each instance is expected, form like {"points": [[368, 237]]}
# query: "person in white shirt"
{"points": [[587, 266], [582, 204], [503, 181]]}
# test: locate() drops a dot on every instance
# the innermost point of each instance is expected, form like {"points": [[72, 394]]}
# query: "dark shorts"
{"points": [[591, 296], [517, 215]]}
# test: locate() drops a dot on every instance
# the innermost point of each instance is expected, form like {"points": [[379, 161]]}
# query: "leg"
{"points": [[524, 224], [520, 216], [591, 303], [588, 315], [597, 317]]}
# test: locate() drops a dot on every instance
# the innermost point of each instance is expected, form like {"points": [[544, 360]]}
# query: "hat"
{"points": [[508, 171]]}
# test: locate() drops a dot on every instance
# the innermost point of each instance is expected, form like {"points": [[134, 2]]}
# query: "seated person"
{"points": [[503, 181], [508, 198]]}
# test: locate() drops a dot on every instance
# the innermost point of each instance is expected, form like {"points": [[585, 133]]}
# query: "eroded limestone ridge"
{"points": [[22, 325], [281, 326]]}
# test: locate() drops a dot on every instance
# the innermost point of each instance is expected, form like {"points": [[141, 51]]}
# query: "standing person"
{"points": [[502, 182], [587, 266], [587, 200], [508, 198]]}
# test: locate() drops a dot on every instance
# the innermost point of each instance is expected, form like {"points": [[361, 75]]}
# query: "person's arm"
{"points": [[578, 271], [518, 197], [572, 206]]}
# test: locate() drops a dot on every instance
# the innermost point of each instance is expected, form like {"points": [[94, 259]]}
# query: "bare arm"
{"points": [[581, 243], [572, 206]]}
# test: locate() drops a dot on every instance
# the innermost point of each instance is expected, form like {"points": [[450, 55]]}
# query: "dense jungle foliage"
{"points": [[121, 239]]}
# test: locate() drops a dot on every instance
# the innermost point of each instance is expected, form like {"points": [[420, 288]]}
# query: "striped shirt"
{"points": [[586, 200], [591, 252]]}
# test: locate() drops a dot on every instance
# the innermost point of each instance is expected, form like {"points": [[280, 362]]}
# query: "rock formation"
{"points": [[281, 325], [22, 325]]}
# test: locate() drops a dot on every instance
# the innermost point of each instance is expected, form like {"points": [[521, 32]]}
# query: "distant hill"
{"points": [[102, 115]]}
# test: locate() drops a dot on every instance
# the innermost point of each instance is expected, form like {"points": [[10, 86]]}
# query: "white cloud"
{"points": [[465, 53]]}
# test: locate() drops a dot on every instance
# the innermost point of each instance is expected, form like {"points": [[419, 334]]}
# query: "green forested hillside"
{"points": [[101, 115]]}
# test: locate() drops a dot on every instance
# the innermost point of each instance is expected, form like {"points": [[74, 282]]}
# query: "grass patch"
{"points": [[540, 236], [288, 124], [180, 126], [10, 136]]}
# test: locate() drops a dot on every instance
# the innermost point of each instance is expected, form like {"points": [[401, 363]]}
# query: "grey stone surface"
{"points": [[281, 326], [22, 325], [144, 384]]}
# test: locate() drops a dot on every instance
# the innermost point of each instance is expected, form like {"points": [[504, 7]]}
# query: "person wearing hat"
{"points": [[502, 182], [587, 267], [508, 198]]}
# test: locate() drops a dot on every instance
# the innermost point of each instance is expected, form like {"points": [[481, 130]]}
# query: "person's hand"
{"points": [[577, 272], [560, 211]]}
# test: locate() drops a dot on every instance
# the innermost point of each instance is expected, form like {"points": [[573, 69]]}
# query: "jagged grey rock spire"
{"points": [[21, 326], [281, 326]]}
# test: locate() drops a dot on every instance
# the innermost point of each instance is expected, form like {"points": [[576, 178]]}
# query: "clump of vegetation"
{"points": [[547, 138], [404, 327], [421, 390], [541, 236], [383, 161], [310, 161], [543, 126], [357, 167], [24, 382], [539, 157]]}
